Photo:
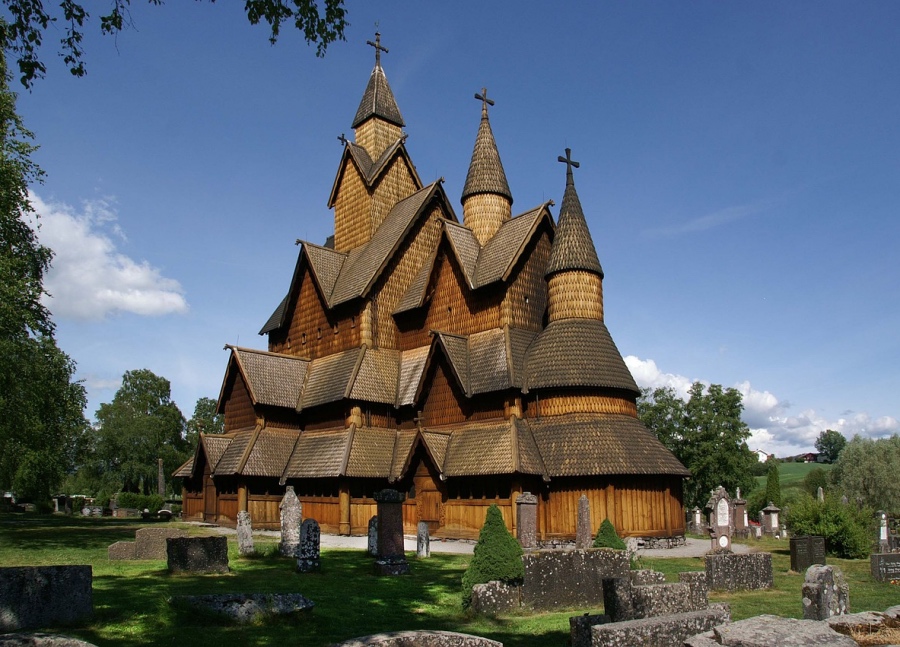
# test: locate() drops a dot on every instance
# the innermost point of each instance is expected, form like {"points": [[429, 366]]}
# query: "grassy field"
{"points": [[792, 474], [131, 598]]}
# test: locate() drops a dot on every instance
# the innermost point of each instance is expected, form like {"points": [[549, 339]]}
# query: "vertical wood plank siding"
{"points": [[239, 412]]}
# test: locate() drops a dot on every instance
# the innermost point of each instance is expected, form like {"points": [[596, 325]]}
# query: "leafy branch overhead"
{"points": [[25, 22]]}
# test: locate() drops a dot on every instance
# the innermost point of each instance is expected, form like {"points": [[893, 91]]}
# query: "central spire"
{"points": [[486, 199], [378, 120]]}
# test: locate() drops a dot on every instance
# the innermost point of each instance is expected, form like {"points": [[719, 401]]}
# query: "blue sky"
{"points": [[739, 172]]}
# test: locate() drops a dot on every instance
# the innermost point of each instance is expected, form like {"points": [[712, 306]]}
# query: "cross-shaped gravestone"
{"points": [[569, 162], [378, 48]]}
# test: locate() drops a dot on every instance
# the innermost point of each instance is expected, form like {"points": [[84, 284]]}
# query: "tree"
{"points": [[830, 444], [706, 434], [42, 426], [866, 471], [816, 478], [773, 484], [204, 421], [27, 20], [497, 556], [140, 426], [607, 538], [848, 530]]}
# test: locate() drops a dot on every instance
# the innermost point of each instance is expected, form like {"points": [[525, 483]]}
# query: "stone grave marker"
{"points": [[308, 554], [245, 534], [391, 556], [825, 593], [423, 540], [583, 530], [769, 519], [526, 517], [197, 554], [291, 513], [739, 515], [45, 596], [806, 551], [372, 545], [720, 519], [885, 566], [820, 495], [884, 545]]}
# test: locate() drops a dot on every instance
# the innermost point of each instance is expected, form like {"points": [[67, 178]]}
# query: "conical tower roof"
{"points": [[378, 100], [486, 174], [573, 248]]}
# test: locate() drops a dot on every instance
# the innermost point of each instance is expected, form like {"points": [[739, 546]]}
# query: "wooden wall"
{"points": [[239, 413], [525, 300]]}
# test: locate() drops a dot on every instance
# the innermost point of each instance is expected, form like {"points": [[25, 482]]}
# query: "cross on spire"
{"points": [[378, 48], [485, 102], [342, 139], [569, 162]]}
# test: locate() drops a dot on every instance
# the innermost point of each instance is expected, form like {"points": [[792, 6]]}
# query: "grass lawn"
{"points": [[792, 474], [131, 598]]}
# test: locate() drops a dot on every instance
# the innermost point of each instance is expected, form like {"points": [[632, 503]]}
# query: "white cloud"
{"points": [[772, 428], [90, 279]]}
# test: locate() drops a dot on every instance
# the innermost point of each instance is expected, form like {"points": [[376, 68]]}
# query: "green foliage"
{"points": [[848, 530], [773, 484], [42, 427], [815, 479], [830, 444], [867, 470], [607, 537], [139, 426], [204, 421], [23, 34], [706, 434], [151, 502], [497, 556]]}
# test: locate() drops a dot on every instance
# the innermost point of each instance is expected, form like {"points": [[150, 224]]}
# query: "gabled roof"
{"points": [[378, 101], [325, 266], [371, 170], [490, 447], [276, 319], [489, 362], [269, 452], [185, 469], [576, 352], [579, 444], [330, 378], [486, 174], [573, 248], [236, 452], [271, 378], [412, 369], [319, 454], [376, 380]]}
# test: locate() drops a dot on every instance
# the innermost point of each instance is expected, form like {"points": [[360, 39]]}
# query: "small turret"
{"points": [[574, 275], [486, 199], [378, 121]]}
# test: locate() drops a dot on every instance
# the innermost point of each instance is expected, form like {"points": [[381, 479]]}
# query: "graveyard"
{"points": [[131, 597]]}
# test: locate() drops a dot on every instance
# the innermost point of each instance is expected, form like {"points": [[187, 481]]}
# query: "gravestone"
{"points": [[885, 566], [825, 593], [884, 544], [806, 551], [526, 515], [149, 543], [291, 513], [197, 554], [739, 516], [391, 556], [845, 500], [245, 534], [720, 519], [820, 495], [731, 572], [423, 540], [769, 519], [372, 545], [583, 530], [308, 553], [696, 520], [44, 596]]}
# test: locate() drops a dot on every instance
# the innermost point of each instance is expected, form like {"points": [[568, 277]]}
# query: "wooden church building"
{"points": [[462, 363]]}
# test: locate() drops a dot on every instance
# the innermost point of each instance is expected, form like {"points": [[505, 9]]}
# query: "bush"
{"points": [[497, 556], [607, 537], [151, 502], [815, 479], [848, 530]]}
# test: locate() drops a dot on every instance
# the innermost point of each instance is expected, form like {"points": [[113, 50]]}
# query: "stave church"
{"points": [[463, 363]]}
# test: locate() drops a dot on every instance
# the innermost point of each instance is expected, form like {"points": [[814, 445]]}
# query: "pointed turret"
{"points": [[486, 199], [574, 274], [378, 120]]}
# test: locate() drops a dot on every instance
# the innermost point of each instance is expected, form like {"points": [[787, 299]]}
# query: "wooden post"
{"points": [[242, 497], [514, 493], [344, 505]]}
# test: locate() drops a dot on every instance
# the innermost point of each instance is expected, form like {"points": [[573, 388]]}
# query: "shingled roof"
{"points": [[378, 101], [486, 174], [371, 170], [573, 248], [271, 378], [576, 352]]}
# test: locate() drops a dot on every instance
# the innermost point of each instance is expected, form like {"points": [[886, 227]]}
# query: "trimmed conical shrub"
{"points": [[607, 537], [497, 556]]}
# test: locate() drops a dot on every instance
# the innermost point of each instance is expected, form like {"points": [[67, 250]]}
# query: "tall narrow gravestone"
{"points": [[245, 534], [769, 519], [423, 540], [291, 513], [720, 520], [526, 516], [391, 556], [583, 534], [308, 553], [372, 545]]}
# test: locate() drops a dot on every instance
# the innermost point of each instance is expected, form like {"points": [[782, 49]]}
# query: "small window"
{"points": [[335, 329], [353, 321], [318, 333], [303, 338]]}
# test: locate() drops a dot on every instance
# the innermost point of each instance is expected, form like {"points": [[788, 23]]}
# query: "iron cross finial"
{"points": [[378, 47], [342, 139], [485, 102], [569, 162]]}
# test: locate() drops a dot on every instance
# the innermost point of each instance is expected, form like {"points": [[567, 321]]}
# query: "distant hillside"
{"points": [[792, 474]]}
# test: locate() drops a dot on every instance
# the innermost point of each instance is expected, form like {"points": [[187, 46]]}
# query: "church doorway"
{"points": [[429, 497]]}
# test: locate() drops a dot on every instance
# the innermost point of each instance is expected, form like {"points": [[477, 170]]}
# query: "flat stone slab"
{"points": [[659, 631], [419, 639], [245, 608], [41, 640], [768, 630], [39, 597]]}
